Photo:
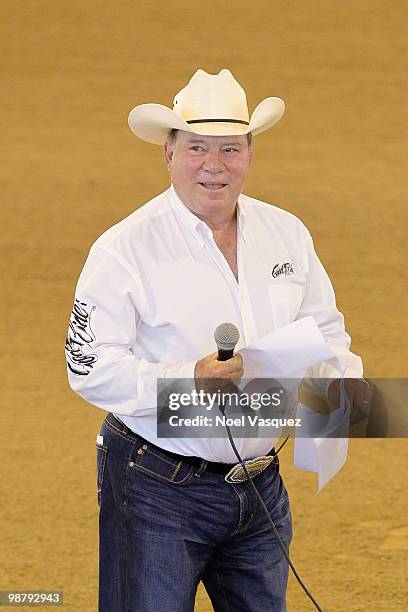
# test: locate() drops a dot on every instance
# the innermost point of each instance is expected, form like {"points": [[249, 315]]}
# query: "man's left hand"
{"points": [[359, 395]]}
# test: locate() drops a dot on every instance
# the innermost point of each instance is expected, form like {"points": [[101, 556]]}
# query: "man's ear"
{"points": [[168, 154]]}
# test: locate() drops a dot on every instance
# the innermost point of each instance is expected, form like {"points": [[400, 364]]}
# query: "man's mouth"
{"points": [[212, 186]]}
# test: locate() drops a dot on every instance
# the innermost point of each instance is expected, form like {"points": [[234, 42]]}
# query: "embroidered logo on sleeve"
{"points": [[285, 269], [80, 335]]}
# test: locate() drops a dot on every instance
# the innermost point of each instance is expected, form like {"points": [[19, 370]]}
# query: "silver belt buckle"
{"points": [[254, 467]]}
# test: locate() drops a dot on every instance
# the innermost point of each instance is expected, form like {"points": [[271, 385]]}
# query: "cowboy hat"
{"points": [[211, 105]]}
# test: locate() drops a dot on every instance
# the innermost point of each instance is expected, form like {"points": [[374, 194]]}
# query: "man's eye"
{"points": [[230, 149], [197, 148]]}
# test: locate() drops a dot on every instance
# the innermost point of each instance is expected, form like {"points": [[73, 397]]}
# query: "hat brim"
{"points": [[152, 122]]}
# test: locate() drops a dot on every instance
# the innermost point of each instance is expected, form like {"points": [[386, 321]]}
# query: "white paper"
{"points": [[286, 352], [327, 453]]}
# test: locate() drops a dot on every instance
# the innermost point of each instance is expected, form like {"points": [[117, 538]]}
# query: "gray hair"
{"points": [[172, 137]]}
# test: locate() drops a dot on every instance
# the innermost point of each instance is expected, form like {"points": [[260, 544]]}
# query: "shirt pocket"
{"points": [[285, 301]]}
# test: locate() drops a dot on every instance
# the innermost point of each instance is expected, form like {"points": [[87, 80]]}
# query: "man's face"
{"points": [[208, 172]]}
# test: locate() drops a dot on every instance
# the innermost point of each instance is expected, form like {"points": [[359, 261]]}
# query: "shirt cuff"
{"points": [[325, 384]]}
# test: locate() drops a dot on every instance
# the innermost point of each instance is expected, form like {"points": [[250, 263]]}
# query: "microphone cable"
{"points": [[255, 490], [226, 337]]}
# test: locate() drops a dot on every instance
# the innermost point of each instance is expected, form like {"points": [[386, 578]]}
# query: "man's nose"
{"points": [[212, 162]]}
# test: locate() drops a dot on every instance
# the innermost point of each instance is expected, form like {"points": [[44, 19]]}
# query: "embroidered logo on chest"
{"points": [[283, 269]]}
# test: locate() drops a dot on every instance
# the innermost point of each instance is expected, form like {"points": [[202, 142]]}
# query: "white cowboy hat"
{"points": [[211, 105]]}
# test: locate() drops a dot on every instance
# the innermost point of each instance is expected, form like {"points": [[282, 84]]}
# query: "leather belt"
{"points": [[212, 466]]}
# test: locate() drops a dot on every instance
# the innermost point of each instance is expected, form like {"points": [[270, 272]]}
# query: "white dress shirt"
{"points": [[154, 288]]}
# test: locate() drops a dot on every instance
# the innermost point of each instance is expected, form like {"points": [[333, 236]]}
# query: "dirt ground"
{"points": [[71, 168]]}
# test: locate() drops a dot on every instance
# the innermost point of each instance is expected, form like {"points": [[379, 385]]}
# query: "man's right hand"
{"points": [[213, 375]]}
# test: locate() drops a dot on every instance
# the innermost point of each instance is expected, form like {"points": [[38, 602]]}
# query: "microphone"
{"points": [[226, 337]]}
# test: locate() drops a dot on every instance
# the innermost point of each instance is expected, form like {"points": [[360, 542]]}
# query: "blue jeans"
{"points": [[164, 525]]}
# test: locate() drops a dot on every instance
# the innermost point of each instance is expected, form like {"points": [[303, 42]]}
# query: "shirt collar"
{"points": [[197, 226]]}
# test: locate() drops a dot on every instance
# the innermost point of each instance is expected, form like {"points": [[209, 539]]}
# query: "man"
{"points": [[153, 289]]}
